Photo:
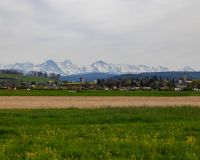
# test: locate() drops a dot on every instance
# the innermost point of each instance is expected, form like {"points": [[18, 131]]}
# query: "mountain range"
{"points": [[66, 68]]}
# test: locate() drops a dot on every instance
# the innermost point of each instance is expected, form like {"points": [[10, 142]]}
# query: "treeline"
{"points": [[137, 84], [154, 83], [161, 75], [10, 71]]}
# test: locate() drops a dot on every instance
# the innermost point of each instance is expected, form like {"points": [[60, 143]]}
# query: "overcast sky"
{"points": [[151, 32]]}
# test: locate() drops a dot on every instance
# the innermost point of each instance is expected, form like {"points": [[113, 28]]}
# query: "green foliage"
{"points": [[195, 84], [22, 78], [79, 82], [123, 133], [53, 92]]}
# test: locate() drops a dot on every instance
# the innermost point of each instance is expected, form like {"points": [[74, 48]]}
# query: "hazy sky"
{"points": [[151, 32]]}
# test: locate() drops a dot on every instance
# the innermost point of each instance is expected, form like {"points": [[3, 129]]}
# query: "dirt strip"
{"points": [[35, 102]]}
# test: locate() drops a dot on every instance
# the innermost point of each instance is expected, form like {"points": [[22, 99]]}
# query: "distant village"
{"points": [[14, 79], [32, 73], [52, 81]]}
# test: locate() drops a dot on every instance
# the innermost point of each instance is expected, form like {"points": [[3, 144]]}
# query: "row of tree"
{"points": [[151, 83]]}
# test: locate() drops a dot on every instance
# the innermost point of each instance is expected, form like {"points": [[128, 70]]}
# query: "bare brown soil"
{"points": [[23, 102]]}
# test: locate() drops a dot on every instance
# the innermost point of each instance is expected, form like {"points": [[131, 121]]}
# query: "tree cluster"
{"points": [[152, 83]]}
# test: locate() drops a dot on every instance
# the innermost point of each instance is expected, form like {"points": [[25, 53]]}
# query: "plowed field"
{"points": [[93, 102]]}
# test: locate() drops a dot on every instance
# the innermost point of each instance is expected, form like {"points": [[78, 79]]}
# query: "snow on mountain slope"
{"points": [[161, 69], [2, 66], [103, 67], [48, 67], [69, 68], [20, 66], [188, 69], [100, 66]]}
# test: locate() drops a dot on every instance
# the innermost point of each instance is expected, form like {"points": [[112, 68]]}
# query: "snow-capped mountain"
{"points": [[49, 67], [68, 68], [188, 69], [2, 66], [26, 67], [103, 67]]}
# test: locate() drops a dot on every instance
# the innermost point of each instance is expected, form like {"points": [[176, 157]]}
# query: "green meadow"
{"points": [[22, 78], [120, 134], [53, 92]]}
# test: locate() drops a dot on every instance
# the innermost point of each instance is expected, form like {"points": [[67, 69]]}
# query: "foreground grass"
{"points": [[95, 93], [131, 133]]}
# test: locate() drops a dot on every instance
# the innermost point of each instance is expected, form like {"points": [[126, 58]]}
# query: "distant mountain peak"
{"points": [[69, 68], [48, 66], [23, 63], [49, 62], [67, 62], [188, 69], [101, 62]]}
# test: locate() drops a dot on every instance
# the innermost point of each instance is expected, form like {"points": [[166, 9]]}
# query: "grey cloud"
{"points": [[152, 32]]}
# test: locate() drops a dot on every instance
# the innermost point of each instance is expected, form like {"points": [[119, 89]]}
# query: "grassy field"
{"points": [[132, 133], [22, 78], [95, 93]]}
